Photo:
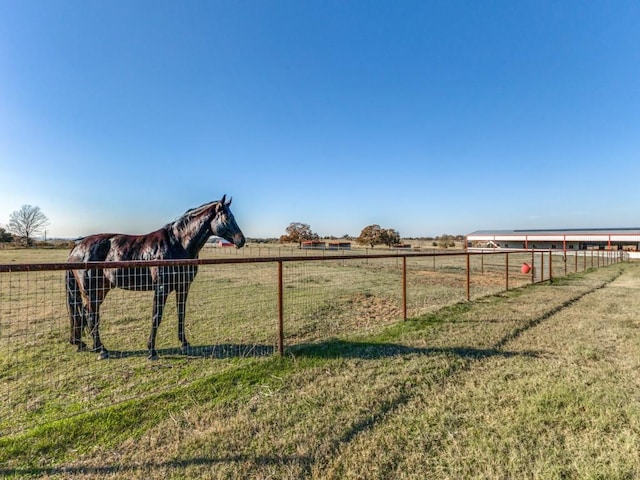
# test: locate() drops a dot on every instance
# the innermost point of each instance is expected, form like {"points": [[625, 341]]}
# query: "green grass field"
{"points": [[528, 383]]}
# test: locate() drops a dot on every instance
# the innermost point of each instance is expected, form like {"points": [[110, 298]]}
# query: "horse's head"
{"points": [[224, 224]]}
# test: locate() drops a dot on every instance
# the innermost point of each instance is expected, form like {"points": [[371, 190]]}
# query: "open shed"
{"points": [[552, 239]]}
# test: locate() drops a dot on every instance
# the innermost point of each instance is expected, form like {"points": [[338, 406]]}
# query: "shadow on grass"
{"points": [[327, 350], [220, 351], [330, 349], [337, 348]]}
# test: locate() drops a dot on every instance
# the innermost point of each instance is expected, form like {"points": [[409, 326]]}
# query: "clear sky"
{"points": [[429, 117]]}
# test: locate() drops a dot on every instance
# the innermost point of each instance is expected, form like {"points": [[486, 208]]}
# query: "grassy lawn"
{"points": [[231, 317], [537, 382]]}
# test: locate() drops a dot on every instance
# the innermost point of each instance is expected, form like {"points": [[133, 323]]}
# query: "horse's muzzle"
{"points": [[238, 240]]}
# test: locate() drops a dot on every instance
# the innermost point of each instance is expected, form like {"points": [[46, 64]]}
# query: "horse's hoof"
{"points": [[186, 349], [82, 347], [153, 356], [103, 355]]}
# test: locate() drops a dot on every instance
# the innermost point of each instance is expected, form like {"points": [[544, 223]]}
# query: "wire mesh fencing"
{"points": [[237, 308]]}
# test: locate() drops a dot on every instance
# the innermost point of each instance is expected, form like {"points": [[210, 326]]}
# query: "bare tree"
{"points": [[27, 222]]}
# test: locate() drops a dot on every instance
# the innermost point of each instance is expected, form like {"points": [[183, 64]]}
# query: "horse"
{"points": [[181, 239]]}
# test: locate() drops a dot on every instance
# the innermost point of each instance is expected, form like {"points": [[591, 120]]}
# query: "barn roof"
{"points": [[561, 231], [576, 234]]}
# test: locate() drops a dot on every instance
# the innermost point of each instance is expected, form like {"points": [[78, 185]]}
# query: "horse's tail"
{"points": [[75, 305]]}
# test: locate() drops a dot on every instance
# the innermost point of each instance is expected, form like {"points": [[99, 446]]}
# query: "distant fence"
{"points": [[237, 307]]}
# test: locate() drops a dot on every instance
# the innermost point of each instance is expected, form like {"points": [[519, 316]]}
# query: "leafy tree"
{"points": [[446, 241], [297, 233], [370, 235], [374, 235], [27, 222], [389, 237]]}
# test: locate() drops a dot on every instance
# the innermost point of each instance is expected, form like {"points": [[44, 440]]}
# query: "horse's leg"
{"points": [[76, 311], [159, 299], [181, 304], [93, 315], [78, 323], [93, 322], [97, 292]]}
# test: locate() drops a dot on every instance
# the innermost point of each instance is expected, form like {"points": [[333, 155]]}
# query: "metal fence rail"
{"points": [[237, 307]]}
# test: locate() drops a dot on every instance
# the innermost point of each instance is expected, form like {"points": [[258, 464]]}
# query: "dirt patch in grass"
{"points": [[374, 309]]}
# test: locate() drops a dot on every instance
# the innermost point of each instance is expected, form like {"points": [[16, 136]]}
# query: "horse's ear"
{"points": [[224, 199], [229, 202]]}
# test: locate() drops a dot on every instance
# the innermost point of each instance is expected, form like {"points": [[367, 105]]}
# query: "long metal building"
{"points": [[566, 239]]}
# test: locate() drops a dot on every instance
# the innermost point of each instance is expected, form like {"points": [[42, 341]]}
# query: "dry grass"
{"points": [[541, 382], [231, 317], [560, 400], [536, 383]]}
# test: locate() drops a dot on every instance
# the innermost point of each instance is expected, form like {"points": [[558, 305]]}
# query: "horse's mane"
{"points": [[189, 215]]}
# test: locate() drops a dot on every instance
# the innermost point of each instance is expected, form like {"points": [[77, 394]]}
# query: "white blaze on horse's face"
{"points": [[224, 224]]}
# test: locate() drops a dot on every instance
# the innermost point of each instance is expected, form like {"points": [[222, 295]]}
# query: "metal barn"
{"points": [[565, 240]]}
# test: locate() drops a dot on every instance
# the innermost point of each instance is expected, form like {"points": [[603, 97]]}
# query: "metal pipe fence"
{"points": [[237, 307]]}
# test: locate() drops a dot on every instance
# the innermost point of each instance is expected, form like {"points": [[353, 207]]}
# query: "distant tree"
{"points": [[27, 222], [389, 237], [298, 232], [446, 241], [370, 235], [375, 235], [5, 237]]}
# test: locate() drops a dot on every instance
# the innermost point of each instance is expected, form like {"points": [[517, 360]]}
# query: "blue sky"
{"points": [[429, 117]]}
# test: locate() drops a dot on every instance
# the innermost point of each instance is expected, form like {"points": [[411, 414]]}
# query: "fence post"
{"points": [[468, 277], [506, 271], [280, 311], [550, 265], [533, 266], [404, 287]]}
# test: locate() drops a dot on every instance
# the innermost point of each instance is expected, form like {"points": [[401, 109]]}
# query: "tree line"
{"points": [[371, 235], [29, 221]]}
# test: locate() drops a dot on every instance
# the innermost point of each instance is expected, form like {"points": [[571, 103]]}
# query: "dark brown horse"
{"points": [[182, 239]]}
